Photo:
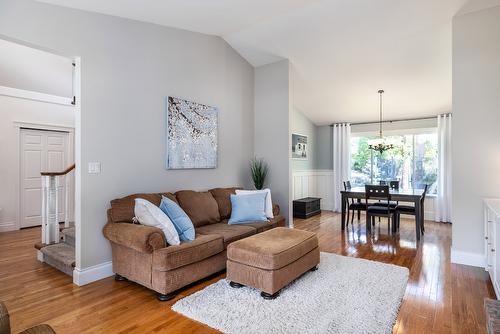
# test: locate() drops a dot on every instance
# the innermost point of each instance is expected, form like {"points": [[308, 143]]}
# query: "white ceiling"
{"points": [[341, 51]]}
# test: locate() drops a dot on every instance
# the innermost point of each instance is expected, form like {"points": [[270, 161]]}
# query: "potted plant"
{"points": [[258, 167]]}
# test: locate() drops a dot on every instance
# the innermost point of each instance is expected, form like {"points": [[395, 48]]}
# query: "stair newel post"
{"points": [[66, 201], [55, 221], [51, 210], [44, 209], [51, 182]]}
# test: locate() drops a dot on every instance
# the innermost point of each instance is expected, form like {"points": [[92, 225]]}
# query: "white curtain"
{"points": [[341, 161], [443, 200]]}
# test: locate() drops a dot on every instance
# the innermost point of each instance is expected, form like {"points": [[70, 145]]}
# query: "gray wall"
{"points": [[300, 124], [128, 68], [30, 69], [324, 147], [476, 120], [272, 134]]}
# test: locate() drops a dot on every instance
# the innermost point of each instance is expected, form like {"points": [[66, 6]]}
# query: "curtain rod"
{"points": [[394, 120]]}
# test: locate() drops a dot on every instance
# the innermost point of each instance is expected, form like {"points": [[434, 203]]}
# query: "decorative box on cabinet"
{"points": [[492, 241]]}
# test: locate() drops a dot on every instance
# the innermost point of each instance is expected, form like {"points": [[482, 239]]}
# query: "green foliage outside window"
{"points": [[413, 161]]}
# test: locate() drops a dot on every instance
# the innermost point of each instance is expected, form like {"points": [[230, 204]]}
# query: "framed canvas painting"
{"points": [[299, 146], [191, 134]]}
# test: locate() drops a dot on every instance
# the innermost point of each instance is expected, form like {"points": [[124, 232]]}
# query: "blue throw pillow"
{"points": [[179, 218], [248, 207]]}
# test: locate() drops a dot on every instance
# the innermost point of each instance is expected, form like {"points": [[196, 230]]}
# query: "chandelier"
{"points": [[380, 144]]}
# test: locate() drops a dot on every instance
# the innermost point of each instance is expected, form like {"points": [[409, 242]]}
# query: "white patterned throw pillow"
{"points": [[269, 202], [150, 215]]}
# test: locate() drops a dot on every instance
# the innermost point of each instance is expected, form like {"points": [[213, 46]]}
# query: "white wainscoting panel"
{"points": [[314, 183]]}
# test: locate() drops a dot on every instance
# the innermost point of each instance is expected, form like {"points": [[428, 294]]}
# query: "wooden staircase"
{"points": [[60, 255], [57, 247]]}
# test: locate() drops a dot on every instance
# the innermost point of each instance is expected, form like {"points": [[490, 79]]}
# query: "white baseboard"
{"points": [[467, 258], [9, 226], [92, 274]]}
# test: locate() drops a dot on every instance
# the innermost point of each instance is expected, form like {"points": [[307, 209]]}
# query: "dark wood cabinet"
{"points": [[306, 207]]}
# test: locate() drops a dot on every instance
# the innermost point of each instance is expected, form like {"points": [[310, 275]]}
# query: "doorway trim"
{"points": [[36, 126]]}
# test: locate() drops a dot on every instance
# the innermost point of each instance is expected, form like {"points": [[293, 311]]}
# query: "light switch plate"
{"points": [[94, 167]]}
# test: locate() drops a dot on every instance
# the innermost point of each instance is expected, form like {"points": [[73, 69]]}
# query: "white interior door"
{"points": [[40, 151]]}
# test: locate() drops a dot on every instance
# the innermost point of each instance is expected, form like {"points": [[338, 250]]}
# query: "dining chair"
{"points": [[353, 205], [382, 194], [410, 210], [392, 204], [394, 184]]}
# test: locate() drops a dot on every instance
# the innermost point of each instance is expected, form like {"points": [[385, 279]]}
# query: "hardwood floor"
{"points": [[36, 293]]}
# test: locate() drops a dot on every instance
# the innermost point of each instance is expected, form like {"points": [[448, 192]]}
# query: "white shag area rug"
{"points": [[345, 295]]}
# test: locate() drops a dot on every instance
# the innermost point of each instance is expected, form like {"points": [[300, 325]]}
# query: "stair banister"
{"points": [[50, 204]]}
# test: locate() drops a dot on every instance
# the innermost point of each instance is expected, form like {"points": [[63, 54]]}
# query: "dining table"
{"points": [[396, 195]]}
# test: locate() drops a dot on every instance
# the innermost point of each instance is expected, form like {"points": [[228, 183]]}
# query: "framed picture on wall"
{"points": [[191, 134], [299, 147]]}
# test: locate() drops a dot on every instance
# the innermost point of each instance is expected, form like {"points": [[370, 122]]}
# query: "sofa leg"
{"points": [[314, 268], [164, 297], [269, 296], [235, 285], [119, 278]]}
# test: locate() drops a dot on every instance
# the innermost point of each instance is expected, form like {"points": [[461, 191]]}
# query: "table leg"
{"points": [[344, 200], [422, 217], [368, 223], [418, 214]]}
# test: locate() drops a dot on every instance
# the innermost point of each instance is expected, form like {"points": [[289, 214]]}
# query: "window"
{"points": [[413, 161]]}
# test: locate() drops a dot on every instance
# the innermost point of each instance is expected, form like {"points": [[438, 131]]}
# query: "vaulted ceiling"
{"points": [[341, 51]]}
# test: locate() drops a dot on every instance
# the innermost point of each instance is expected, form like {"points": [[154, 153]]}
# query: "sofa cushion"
{"points": [[201, 207], [122, 209], [170, 196], [150, 215], [268, 200], [202, 247], [249, 207], [277, 221], [223, 198], [230, 233], [183, 225], [262, 226], [273, 249]]}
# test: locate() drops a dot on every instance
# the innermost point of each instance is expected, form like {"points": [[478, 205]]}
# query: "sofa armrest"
{"points": [[144, 239], [276, 209]]}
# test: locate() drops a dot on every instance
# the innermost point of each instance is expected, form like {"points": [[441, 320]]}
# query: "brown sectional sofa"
{"points": [[141, 254]]}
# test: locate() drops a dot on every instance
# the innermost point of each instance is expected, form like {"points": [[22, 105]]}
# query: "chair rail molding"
{"points": [[314, 183]]}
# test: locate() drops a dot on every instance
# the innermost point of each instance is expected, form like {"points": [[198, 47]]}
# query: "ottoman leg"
{"points": [[268, 296], [235, 285], [314, 268]]}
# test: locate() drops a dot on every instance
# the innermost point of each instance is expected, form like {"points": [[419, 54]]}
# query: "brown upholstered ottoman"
{"points": [[270, 260]]}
